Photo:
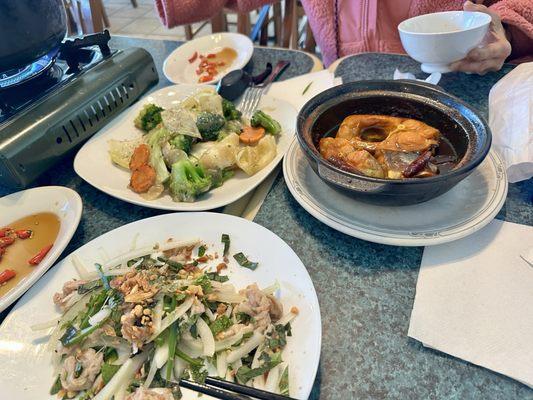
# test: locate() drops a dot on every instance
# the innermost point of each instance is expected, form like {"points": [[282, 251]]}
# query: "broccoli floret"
{"points": [[266, 121], [219, 176], [149, 117], [230, 111], [182, 142], [188, 180], [209, 124]]}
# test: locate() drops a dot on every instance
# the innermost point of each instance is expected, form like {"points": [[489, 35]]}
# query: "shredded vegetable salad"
{"points": [[132, 327], [194, 146]]}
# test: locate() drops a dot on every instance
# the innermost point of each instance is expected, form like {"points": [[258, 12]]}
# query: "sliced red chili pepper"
{"points": [[211, 55], [6, 241], [193, 57], [23, 233], [36, 259], [205, 78], [6, 275], [4, 232]]}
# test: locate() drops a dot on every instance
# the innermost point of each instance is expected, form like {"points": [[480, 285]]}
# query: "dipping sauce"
{"points": [[213, 63], [44, 229]]}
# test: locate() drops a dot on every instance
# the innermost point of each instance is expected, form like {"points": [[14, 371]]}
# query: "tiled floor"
{"points": [[144, 21]]}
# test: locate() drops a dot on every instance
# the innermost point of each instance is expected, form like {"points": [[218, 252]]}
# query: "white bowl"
{"points": [[437, 40], [178, 69]]}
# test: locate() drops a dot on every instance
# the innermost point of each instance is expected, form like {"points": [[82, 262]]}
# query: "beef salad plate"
{"points": [[186, 148], [132, 312]]}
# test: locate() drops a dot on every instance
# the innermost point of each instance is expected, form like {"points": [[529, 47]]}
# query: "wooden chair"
{"points": [[85, 16], [219, 23], [291, 32]]}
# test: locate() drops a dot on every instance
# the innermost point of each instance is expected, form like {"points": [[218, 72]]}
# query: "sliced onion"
{"points": [[100, 316], [244, 349], [173, 316], [222, 365], [207, 337]]}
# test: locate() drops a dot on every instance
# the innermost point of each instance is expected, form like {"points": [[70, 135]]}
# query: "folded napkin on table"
{"points": [[292, 90], [511, 121], [474, 299]]}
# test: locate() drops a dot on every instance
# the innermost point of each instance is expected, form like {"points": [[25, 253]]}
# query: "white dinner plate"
{"points": [[20, 347], [92, 163], [178, 69], [463, 210], [63, 202]]}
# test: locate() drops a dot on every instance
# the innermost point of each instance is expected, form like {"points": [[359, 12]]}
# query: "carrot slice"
{"points": [[251, 135]]}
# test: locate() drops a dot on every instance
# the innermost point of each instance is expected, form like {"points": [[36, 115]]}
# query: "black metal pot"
{"points": [[29, 29], [464, 128]]}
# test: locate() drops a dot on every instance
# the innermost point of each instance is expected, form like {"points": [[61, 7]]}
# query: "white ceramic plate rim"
{"points": [[39, 197], [216, 200], [189, 48], [125, 233], [423, 238]]}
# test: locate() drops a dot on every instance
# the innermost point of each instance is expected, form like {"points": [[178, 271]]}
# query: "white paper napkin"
{"points": [[511, 121], [292, 90], [474, 300]]}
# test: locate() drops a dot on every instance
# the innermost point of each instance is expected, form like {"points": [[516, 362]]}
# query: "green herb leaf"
{"points": [[78, 369], [284, 382], [104, 278], [56, 387], [243, 317], [226, 240], [68, 335], [194, 362], [175, 266], [108, 370], [198, 373], [244, 373], [89, 286], [244, 262], [172, 341], [169, 303], [222, 323], [307, 87], [110, 354], [201, 251], [216, 277], [205, 283]]}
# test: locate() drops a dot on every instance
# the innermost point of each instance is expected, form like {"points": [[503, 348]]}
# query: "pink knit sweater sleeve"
{"points": [[180, 12], [517, 15]]}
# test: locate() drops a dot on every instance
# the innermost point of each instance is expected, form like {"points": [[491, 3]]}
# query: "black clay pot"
{"points": [[466, 131], [29, 29]]}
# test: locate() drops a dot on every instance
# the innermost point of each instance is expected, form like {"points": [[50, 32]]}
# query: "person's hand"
{"points": [[495, 47]]}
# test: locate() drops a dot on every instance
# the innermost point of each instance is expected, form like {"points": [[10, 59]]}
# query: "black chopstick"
{"points": [[226, 390]]}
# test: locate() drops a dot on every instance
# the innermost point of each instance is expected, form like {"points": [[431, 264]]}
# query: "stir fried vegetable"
{"points": [[205, 135], [148, 118], [230, 111], [187, 181], [209, 124], [266, 121]]}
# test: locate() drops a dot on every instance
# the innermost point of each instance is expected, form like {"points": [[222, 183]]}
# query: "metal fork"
{"points": [[252, 95]]}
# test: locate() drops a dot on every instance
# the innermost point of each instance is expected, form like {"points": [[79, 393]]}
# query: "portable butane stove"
{"points": [[52, 106]]}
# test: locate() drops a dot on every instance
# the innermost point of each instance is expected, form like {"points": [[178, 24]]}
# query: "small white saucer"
{"points": [[178, 69], [63, 202], [463, 210]]}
